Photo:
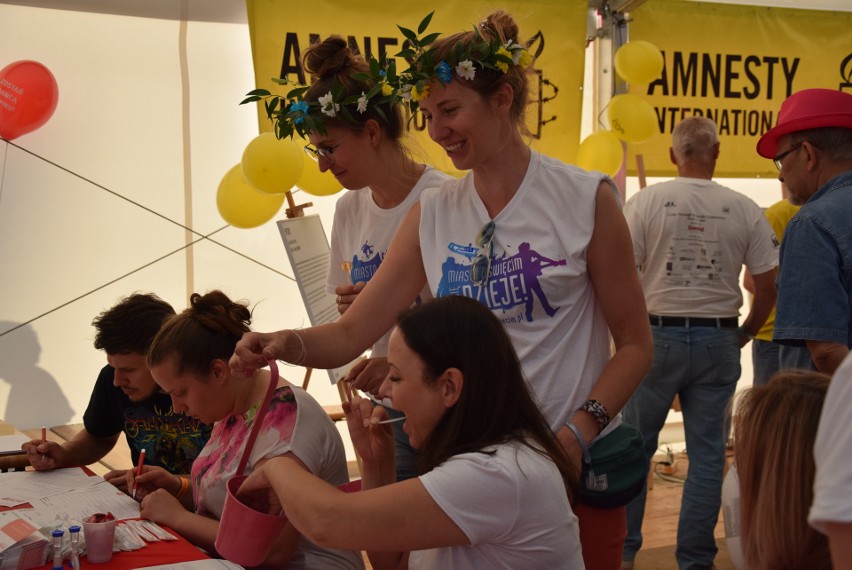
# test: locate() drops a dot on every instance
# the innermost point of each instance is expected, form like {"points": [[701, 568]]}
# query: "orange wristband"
{"points": [[184, 485]]}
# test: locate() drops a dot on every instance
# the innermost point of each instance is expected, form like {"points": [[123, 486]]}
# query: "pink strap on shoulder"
{"points": [[258, 419]]}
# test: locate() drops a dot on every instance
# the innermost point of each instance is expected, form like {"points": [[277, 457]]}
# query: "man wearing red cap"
{"points": [[811, 146]]}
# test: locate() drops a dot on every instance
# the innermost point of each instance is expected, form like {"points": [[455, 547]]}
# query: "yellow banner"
{"points": [[735, 64], [555, 30]]}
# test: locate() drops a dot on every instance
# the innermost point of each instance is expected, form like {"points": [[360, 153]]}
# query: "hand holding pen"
{"points": [[43, 440], [138, 471], [153, 478], [44, 455]]}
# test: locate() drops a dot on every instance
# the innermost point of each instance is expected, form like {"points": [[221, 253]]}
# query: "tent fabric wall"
{"points": [[95, 204]]}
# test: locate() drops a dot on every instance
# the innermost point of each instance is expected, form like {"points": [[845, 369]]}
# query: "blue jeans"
{"points": [[766, 360], [796, 357], [701, 365]]}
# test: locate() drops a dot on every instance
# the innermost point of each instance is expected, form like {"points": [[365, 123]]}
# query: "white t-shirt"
{"points": [[512, 507], [362, 232], [691, 237], [295, 423], [539, 286], [833, 447]]}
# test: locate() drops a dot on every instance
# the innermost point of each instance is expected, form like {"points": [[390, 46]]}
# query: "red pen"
{"points": [[43, 440], [138, 470]]}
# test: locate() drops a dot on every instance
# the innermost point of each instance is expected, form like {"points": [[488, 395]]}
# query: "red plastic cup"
{"points": [[245, 535]]}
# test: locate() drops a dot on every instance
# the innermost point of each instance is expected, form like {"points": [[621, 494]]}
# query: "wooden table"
{"points": [[17, 462]]}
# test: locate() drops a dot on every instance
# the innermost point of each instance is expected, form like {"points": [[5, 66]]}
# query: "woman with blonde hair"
{"points": [[775, 428], [543, 244]]}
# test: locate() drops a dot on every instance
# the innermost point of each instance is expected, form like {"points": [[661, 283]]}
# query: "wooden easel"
{"points": [[294, 211]]}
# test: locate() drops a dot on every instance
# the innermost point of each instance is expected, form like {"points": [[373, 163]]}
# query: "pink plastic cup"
{"points": [[245, 535], [351, 486]]}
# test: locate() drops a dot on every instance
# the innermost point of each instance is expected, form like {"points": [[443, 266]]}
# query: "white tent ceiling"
{"points": [[233, 11]]}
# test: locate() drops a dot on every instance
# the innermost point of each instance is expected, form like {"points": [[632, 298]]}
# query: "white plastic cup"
{"points": [[99, 538]]}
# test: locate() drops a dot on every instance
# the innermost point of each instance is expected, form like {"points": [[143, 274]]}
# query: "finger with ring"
{"points": [[339, 299]]}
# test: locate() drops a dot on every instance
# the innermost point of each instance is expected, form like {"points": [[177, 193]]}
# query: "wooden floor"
{"points": [[659, 529]]}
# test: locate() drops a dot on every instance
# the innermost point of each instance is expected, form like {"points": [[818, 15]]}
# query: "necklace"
{"points": [[247, 398]]}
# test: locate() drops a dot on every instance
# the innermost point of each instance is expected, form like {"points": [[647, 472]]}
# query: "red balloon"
{"points": [[28, 96]]}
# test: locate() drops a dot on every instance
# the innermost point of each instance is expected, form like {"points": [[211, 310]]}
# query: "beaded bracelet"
{"points": [[597, 411], [184, 486]]}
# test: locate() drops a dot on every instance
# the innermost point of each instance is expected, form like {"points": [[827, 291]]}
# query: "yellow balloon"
{"points": [[601, 151], [318, 183], [271, 165], [241, 205], [639, 62], [632, 118]]}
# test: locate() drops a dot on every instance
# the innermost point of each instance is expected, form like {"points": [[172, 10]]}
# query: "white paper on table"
{"points": [[81, 503], [24, 486], [211, 564]]}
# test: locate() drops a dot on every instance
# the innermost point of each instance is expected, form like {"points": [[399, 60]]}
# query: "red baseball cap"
{"points": [[807, 109]]}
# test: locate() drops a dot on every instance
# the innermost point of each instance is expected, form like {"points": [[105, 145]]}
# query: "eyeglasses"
{"points": [[481, 266], [317, 153], [778, 159]]}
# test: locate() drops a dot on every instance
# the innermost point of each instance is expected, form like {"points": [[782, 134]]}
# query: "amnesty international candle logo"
{"points": [[846, 74]]}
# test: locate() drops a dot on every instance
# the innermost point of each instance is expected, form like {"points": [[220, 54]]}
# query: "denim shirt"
{"points": [[815, 277]]}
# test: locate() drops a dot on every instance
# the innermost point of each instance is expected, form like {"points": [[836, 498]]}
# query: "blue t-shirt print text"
{"points": [[513, 280]]}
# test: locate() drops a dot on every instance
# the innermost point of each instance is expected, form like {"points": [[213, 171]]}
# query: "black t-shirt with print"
{"points": [[170, 440]]}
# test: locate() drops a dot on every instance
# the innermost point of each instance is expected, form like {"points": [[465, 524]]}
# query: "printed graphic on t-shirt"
{"points": [[695, 253], [364, 266], [512, 282], [170, 440]]}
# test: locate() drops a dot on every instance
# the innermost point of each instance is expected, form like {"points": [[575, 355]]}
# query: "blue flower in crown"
{"points": [[301, 108], [444, 72]]}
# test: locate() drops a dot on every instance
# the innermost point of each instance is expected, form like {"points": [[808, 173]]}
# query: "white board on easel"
{"points": [[308, 251]]}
